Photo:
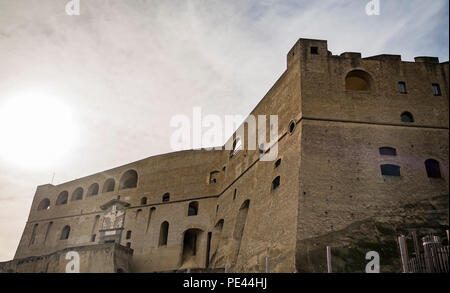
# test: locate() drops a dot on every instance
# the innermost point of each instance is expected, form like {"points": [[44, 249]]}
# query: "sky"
{"points": [[84, 93]]}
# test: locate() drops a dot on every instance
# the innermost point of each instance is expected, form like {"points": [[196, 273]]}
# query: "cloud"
{"points": [[126, 67]]}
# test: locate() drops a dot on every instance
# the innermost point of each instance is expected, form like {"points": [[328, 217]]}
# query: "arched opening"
{"points": [[387, 151], [390, 170], [433, 168], [129, 180], [407, 117], [193, 209], [77, 194], [190, 248], [166, 197], [276, 183], [358, 80], [163, 233], [62, 198], [65, 233], [216, 240], [239, 227], [109, 185], [143, 200], [44, 204], [93, 189]]}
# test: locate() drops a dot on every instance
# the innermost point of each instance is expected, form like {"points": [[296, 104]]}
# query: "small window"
{"points": [[93, 237], [213, 177], [292, 126], [65, 233], [193, 209], [390, 170], [128, 244], [166, 197], [401, 87], [407, 117], [128, 236], [315, 50], [436, 89], [143, 200], [278, 163], [433, 168], [276, 183], [388, 151]]}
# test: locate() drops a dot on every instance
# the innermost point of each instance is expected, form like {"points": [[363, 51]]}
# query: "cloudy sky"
{"points": [[81, 94]]}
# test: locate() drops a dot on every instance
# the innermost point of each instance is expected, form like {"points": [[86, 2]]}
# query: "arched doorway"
{"points": [[191, 256]]}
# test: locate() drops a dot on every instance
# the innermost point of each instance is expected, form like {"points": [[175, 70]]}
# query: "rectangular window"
{"points": [[436, 89], [315, 50], [390, 170], [401, 87]]}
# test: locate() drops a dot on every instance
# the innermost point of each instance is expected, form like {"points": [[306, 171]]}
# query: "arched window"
{"points": [[129, 180], [388, 151], [163, 233], [109, 185], [65, 233], [433, 168], [390, 170], [77, 194], [93, 189], [358, 80], [276, 183], [166, 197], [143, 200], [401, 87], [44, 204], [62, 198], [407, 117], [237, 146], [193, 208]]}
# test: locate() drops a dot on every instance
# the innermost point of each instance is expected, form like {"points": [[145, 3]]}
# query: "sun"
{"points": [[37, 130]]}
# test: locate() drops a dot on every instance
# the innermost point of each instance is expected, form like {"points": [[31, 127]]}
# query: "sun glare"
{"points": [[37, 130]]}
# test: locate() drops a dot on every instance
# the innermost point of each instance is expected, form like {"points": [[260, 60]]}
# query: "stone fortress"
{"points": [[362, 157]]}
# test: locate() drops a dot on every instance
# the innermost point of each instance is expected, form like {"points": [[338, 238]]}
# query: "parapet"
{"points": [[426, 59]]}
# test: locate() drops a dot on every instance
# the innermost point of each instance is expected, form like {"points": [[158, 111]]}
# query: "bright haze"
{"points": [[82, 94]]}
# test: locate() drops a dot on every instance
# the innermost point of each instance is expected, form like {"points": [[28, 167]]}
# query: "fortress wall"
{"points": [[345, 201], [181, 174]]}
